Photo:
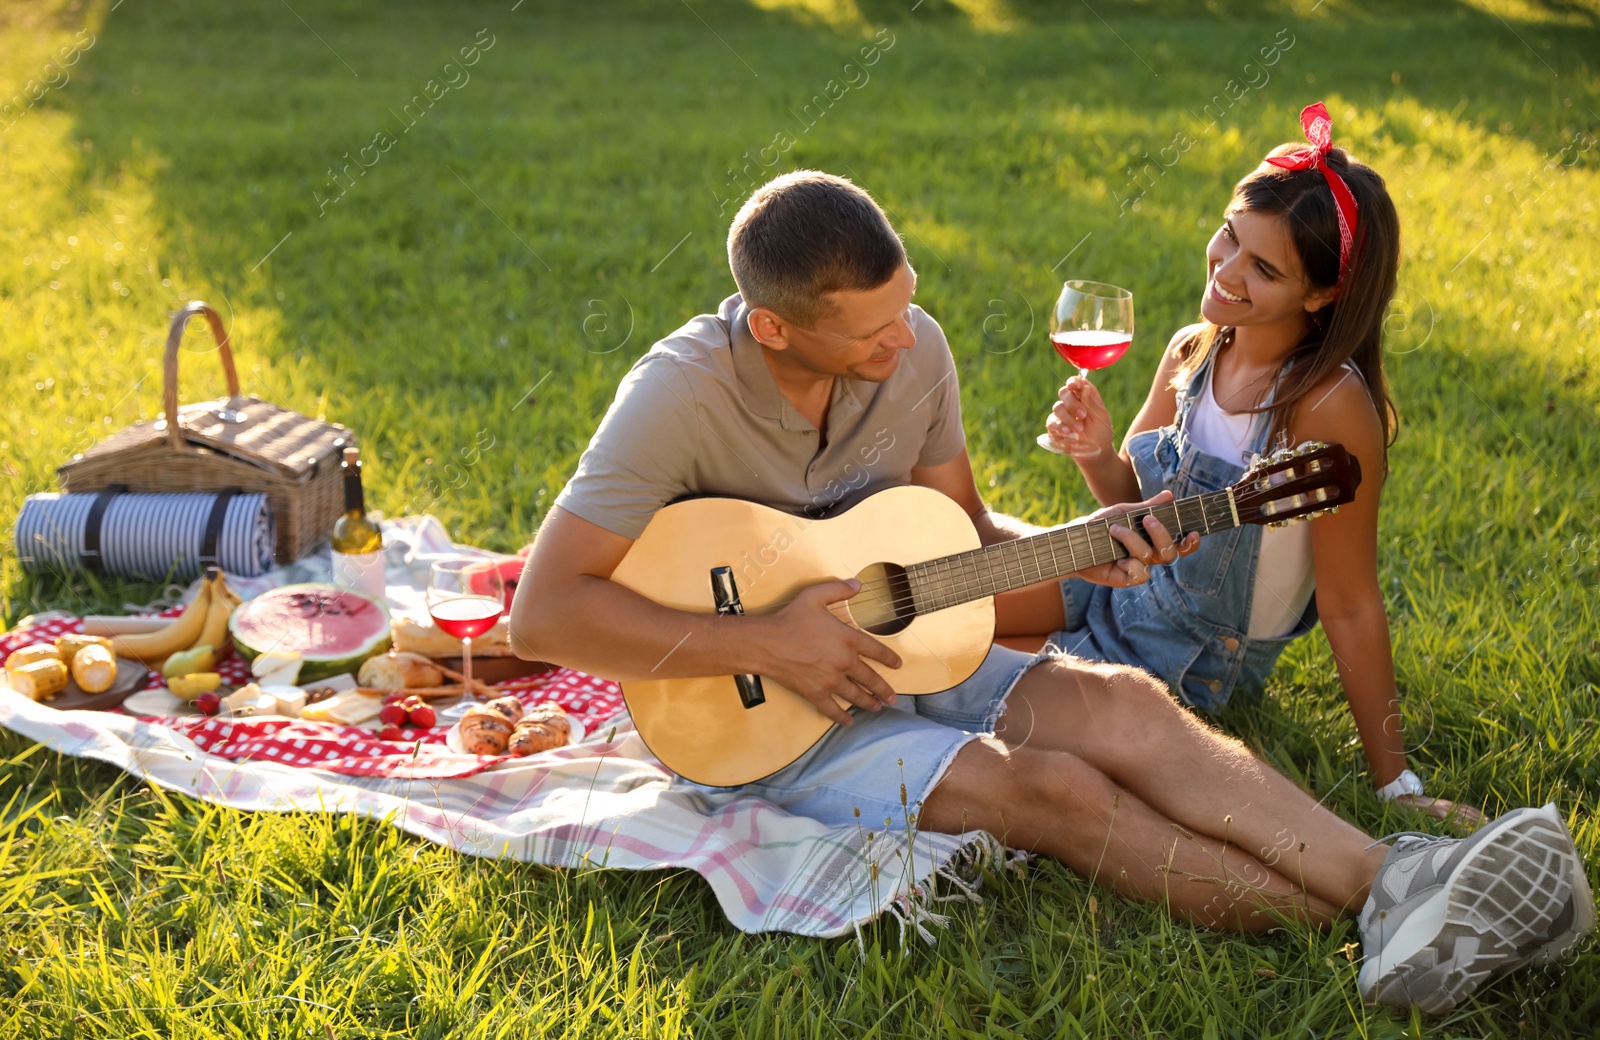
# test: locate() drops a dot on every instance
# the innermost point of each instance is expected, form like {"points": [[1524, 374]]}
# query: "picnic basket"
{"points": [[231, 443]]}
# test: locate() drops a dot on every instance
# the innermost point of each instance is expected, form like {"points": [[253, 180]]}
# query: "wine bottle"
{"points": [[357, 542]]}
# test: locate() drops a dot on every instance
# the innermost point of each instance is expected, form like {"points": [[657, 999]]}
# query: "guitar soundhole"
{"points": [[883, 606]]}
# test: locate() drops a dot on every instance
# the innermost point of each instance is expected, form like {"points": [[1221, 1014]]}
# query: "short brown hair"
{"points": [[804, 235]]}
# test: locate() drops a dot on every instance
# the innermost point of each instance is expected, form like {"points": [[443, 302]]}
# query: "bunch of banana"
{"points": [[204, 622]]}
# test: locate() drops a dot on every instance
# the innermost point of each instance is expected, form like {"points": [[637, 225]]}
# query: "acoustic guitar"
{"points": [[927, 591]]}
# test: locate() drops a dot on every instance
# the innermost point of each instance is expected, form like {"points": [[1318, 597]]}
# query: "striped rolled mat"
{"points": [[147, 536]]}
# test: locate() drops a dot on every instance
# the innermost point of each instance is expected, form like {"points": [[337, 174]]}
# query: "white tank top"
{"points": [[1285, 578]]}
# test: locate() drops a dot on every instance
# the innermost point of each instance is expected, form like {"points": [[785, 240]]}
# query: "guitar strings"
{"points": [[947, 581], [1186, 515], [934, 577]]}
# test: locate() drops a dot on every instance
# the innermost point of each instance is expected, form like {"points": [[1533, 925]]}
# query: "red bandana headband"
{"points": [[1318, 127]]}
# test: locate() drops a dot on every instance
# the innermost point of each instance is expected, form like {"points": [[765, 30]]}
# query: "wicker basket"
{"points": [[232, 442]]}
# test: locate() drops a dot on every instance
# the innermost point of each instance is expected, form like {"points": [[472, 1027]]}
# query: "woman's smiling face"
{"points": [[1254, 275]]}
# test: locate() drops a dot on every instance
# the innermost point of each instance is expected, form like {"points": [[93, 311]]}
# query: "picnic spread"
{"points": [[600, 800], [320, 661]]}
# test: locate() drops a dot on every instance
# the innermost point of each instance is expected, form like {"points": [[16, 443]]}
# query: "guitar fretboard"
{"points": [[993, 569]]}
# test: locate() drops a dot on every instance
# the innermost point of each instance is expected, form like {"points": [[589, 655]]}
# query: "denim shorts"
{"points": [[862, 766]]}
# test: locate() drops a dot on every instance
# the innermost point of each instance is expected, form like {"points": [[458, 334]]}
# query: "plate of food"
{"points": [[74, 673], [504, 727]]}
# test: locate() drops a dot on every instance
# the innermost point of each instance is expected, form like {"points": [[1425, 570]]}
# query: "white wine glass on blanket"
{"points": [[466, 596], [1091, 327]]}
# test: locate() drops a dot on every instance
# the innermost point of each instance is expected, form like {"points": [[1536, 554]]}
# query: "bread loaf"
{"points": [[397, 670]]}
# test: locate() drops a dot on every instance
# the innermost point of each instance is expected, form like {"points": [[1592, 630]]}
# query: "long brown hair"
{"points": [[1351, 327]]}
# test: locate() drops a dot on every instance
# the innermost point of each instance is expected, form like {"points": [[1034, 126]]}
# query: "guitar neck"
{"points": [[993, 569]]}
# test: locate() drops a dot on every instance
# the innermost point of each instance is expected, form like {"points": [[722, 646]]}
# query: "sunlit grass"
{"points": [[556, 213]]}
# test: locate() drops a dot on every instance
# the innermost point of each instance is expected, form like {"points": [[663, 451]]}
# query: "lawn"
{"points": [[436, 252]]}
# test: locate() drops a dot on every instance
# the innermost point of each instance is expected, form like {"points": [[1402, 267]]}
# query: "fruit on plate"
{"points": [[423, 716], [200, 658], [37, 680], [190, 686], [208, 703], [332, 629], [93, 668], [393, 715]]}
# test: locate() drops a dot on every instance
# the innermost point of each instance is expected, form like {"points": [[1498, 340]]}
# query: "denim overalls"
{"points": [[1187, 624]]}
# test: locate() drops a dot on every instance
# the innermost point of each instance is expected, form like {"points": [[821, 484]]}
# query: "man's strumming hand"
{"points": [[809, 650]]}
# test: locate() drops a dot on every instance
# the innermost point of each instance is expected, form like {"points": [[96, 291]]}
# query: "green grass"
{"points": [[569, 193]]}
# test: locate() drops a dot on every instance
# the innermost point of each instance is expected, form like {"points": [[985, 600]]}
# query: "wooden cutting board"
{"points": [[131, 677], [498, 669]]}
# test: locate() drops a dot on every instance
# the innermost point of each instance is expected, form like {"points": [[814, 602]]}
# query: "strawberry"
{"points": [[391, 733], [393, 715], [423, 716], [207, 703]]}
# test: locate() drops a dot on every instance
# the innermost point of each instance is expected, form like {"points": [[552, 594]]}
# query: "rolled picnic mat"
{"points": [[147, 536]]}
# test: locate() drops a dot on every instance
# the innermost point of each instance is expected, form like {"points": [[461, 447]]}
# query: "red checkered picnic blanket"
{"points": [[350, 750]]}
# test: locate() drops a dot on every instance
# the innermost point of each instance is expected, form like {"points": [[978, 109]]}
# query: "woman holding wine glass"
{"points": [[1091, 327], [1299, 276]]}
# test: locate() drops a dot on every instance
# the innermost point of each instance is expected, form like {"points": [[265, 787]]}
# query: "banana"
{"points": [[214, 632], [182, 633], [222, 584]]}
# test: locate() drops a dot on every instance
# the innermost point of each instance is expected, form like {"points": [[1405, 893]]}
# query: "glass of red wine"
{"points": [[1091, 328], [466, 596]]}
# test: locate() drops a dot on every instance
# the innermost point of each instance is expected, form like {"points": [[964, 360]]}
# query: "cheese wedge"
{"points": [[347, 707], [290, 700]]}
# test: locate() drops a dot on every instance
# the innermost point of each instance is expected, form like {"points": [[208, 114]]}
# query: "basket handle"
{"points": [[170, 373]]}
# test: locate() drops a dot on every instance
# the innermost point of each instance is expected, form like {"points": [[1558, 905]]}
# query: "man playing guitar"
{"points": [[820, 383]]}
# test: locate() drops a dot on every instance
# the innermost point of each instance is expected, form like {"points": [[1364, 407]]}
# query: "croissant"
{"points": [[545, 710], [533, 735], [508, 707], [485, 732]]}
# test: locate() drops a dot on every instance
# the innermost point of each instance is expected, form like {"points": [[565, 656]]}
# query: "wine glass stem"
{"points": [[1083, 373], [466, 666]]}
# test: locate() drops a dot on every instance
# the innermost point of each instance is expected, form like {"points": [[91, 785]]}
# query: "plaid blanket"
{"points": [[604, 802]]}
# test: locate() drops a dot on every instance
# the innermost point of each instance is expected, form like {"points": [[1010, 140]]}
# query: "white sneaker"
{"points": [[1447, 914]]}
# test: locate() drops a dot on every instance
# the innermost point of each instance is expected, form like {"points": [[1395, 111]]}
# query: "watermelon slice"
{"points": [[332, 629]]}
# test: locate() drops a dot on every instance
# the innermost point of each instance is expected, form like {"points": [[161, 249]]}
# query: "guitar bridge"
{"points": [[725, 594]]}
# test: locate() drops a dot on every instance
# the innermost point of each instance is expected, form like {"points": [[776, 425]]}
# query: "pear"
{"points": [[200, 658]]}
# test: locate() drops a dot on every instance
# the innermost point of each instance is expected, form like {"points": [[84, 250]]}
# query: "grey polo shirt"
{"points": [[700, 414]]}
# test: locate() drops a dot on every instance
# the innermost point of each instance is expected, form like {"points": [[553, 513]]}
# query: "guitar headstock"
{"points": [[1296, 484]]}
